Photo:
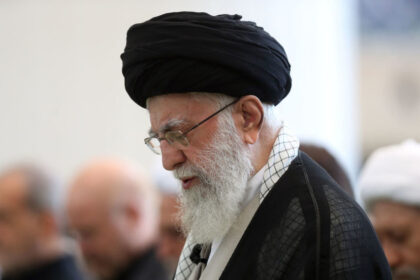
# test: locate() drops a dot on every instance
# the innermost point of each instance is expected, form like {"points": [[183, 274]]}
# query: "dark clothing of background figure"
{"points": [[144, 267], [308, 228], [62, 268]]}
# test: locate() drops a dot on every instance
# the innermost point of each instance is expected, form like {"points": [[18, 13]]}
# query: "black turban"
{"points": [[196, 52]]}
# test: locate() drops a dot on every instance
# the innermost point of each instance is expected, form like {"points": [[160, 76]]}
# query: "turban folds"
{"points": [[196, 52]]}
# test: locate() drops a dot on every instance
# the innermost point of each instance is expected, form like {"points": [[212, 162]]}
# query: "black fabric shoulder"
{"points": [[308, 228], [144, 266]]}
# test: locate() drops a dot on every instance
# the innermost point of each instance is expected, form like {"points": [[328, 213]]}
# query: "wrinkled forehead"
{"points": [[177, 108]]}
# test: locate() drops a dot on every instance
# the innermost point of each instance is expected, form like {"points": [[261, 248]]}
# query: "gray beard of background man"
{"points": [[210, 207]]}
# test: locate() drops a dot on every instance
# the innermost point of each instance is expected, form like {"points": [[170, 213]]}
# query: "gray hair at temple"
{"points": [[271, 115], [43, 189]]}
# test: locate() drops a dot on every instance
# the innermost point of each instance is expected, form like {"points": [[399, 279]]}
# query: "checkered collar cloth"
{"points": [[285, 149]]}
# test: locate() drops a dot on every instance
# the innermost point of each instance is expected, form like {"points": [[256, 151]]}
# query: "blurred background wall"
{"points": [[389, 72], [62, 96]]}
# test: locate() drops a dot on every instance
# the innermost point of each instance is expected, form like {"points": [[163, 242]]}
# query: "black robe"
{"points": [[308, 228], [62, 268], [144, 267]]}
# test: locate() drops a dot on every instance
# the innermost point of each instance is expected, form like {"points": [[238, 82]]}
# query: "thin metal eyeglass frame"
{"points": [[184, 134]]}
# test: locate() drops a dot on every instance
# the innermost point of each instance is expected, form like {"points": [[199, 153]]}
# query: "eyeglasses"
{"points": [[178, 138]]}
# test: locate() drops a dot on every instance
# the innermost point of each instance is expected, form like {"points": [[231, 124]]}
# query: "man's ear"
{"points": [[249, 115]]}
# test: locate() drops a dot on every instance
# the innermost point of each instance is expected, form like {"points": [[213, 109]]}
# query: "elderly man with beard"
{"points": [[112, 208], [390, 188], [253, 206]]}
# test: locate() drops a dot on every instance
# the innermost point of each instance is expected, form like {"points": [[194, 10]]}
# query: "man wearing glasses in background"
{"points": [[253, 207]]}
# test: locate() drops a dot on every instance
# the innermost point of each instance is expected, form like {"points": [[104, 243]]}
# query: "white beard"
{"points": [[223, 168]]}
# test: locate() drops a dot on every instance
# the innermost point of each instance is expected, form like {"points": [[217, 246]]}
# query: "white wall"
{"points": [[390, 87], [62, 97]]}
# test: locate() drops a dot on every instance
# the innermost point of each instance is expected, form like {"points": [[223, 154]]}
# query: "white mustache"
{"points": [[185, 172]]}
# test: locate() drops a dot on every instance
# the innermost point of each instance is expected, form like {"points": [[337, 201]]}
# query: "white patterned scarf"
{"points": [[285, 150]]}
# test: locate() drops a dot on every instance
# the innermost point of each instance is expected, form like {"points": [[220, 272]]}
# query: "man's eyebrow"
{"points": [[170, 125]]}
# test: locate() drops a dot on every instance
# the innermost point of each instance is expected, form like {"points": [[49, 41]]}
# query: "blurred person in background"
{"points": [[390, 189], [327, 161], [31, 246], [113, 209], [171, 238]]}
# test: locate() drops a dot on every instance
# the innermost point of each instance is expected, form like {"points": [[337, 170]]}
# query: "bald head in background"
{"points": [[113, 208]]}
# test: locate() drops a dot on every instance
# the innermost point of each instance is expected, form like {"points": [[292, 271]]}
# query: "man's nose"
{"points": [[171, 156]]}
